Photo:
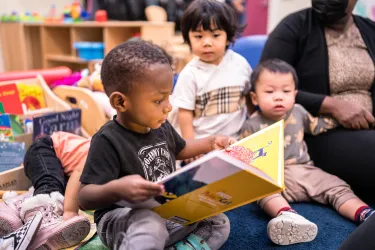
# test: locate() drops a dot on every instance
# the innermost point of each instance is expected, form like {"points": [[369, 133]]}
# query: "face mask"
{"points": [[330, 11]]}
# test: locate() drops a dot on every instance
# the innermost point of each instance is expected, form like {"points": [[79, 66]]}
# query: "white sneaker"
{"points": [[291, 228], [21, 238]]}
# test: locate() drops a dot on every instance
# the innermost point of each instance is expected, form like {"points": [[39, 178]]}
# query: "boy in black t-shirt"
{"points": [[138, 147]]}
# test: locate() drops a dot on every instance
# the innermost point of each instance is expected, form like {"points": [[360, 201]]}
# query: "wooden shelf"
{"points": [[66, 58], [46, 45]]}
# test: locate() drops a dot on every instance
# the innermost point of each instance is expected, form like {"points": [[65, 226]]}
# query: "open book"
{"points": [[218, 182]]}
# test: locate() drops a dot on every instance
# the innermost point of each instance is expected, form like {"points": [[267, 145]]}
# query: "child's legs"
{"points": [[273, 203], [214, 231], [43, 168], [142, 229], [323, 188]]}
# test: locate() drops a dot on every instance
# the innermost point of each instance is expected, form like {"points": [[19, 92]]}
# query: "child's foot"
{"points": [[291, 228], [10, 208], [54, 233], [20, 239]]}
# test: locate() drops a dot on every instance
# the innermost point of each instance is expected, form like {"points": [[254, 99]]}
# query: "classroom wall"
{"points": [[278, 9], [40, 6], [365, 8]]}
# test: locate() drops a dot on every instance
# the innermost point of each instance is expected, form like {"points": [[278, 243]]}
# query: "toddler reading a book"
{"points": [[274, 87], [209, 90], [123, 162], [53, 164]]}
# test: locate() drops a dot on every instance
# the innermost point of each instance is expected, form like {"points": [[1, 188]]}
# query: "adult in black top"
{"points": [[333, 53]]}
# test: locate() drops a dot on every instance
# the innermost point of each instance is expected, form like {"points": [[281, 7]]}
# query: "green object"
{"points": [[2, 111], [94, 244]]}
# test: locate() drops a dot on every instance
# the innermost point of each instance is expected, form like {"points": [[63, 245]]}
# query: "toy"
{"points": [[75, 11], [101, 16], [93, 81]]}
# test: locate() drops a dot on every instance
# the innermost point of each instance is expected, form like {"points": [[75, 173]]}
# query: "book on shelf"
{"points": [[11, 155], [19, 98], [223, 180]]}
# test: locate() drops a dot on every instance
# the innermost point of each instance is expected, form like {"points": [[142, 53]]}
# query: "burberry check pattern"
{"points": [[219, 101]]}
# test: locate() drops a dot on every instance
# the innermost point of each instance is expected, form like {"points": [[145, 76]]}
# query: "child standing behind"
{"points": [[274, 88], [135, 149], [209, 90]]}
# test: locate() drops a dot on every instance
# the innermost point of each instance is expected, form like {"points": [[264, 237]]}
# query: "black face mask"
{"points": [[330, 11]]}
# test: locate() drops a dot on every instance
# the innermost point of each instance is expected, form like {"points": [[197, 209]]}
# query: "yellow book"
{"points": [[218, 182]]}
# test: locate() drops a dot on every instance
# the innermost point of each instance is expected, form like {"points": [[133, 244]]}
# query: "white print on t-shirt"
{"points": [[156, 161]]}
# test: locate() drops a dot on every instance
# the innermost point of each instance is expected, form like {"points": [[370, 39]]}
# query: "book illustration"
{"points": [[220, 181], [6, 133], [68, 121], [31, 96], [11, 155], [240, 153]]}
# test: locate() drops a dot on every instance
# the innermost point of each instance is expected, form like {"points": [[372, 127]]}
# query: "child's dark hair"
{"points": [[210, 12], [274, 66], [127, 62]]}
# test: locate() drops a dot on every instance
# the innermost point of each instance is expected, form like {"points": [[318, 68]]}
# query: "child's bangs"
{"points": [[207, 21]]}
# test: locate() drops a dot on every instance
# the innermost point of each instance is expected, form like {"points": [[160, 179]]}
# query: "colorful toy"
{"points": [[93, 81], [75, 11], [101, 16]]}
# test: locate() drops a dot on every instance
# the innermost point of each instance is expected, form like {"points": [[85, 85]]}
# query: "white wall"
{"points": [[278, 9], [40, 6]]}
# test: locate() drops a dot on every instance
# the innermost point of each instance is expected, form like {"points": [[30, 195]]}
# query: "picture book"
{"points": [[10, 99], [11, 155], [2, 111], [6, 133], [31, 96], [223, 180], [68, 121], [19, 98]]}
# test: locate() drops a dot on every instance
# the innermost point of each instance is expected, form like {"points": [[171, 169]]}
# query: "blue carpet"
{"points": [[249, 228]]}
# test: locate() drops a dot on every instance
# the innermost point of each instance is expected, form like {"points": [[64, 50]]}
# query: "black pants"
{"points": [[348, 154], [43, 167], [362, 238]]}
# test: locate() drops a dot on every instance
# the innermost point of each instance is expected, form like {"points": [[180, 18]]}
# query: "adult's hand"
{"points": [[350, 115]]}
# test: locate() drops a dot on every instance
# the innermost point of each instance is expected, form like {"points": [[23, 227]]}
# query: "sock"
{"points": [[287, 209], [363, 213]]}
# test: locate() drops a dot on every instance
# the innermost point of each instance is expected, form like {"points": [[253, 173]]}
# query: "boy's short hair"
{"points": [[127, 62], [274, 66], [207, 12]]}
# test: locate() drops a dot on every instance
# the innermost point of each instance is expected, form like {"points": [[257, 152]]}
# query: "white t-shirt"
{"points": [[215, 94]]}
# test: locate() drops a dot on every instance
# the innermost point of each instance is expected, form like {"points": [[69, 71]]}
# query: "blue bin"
{"points": [[90, 50]]}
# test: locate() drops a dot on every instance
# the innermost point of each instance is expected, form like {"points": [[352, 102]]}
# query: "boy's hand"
{"points": [[222, 142], [134, 188]]}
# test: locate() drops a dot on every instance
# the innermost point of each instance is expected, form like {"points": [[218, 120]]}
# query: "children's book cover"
{"points": [[11, 155], [221, 180], [31, 96], [2, 111], [6, 133], [10, 99], [68, 121]]}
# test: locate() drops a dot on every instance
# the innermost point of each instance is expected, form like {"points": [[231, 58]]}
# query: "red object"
{"points": [[241, 153], [10, 99], [101, 16], [256, 17], [49, 75]]}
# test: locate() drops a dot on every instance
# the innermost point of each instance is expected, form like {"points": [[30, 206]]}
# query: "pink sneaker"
{"points": [[10, 208], [54, 233]]}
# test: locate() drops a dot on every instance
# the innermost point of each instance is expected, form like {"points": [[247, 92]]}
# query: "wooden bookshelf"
{"points": [[28, 46]]}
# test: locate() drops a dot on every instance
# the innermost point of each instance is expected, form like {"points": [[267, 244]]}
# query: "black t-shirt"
{"points": [[116, 152]]}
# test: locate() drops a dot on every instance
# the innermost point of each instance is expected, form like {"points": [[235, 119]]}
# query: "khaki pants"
{"points": [[308, 183]]}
